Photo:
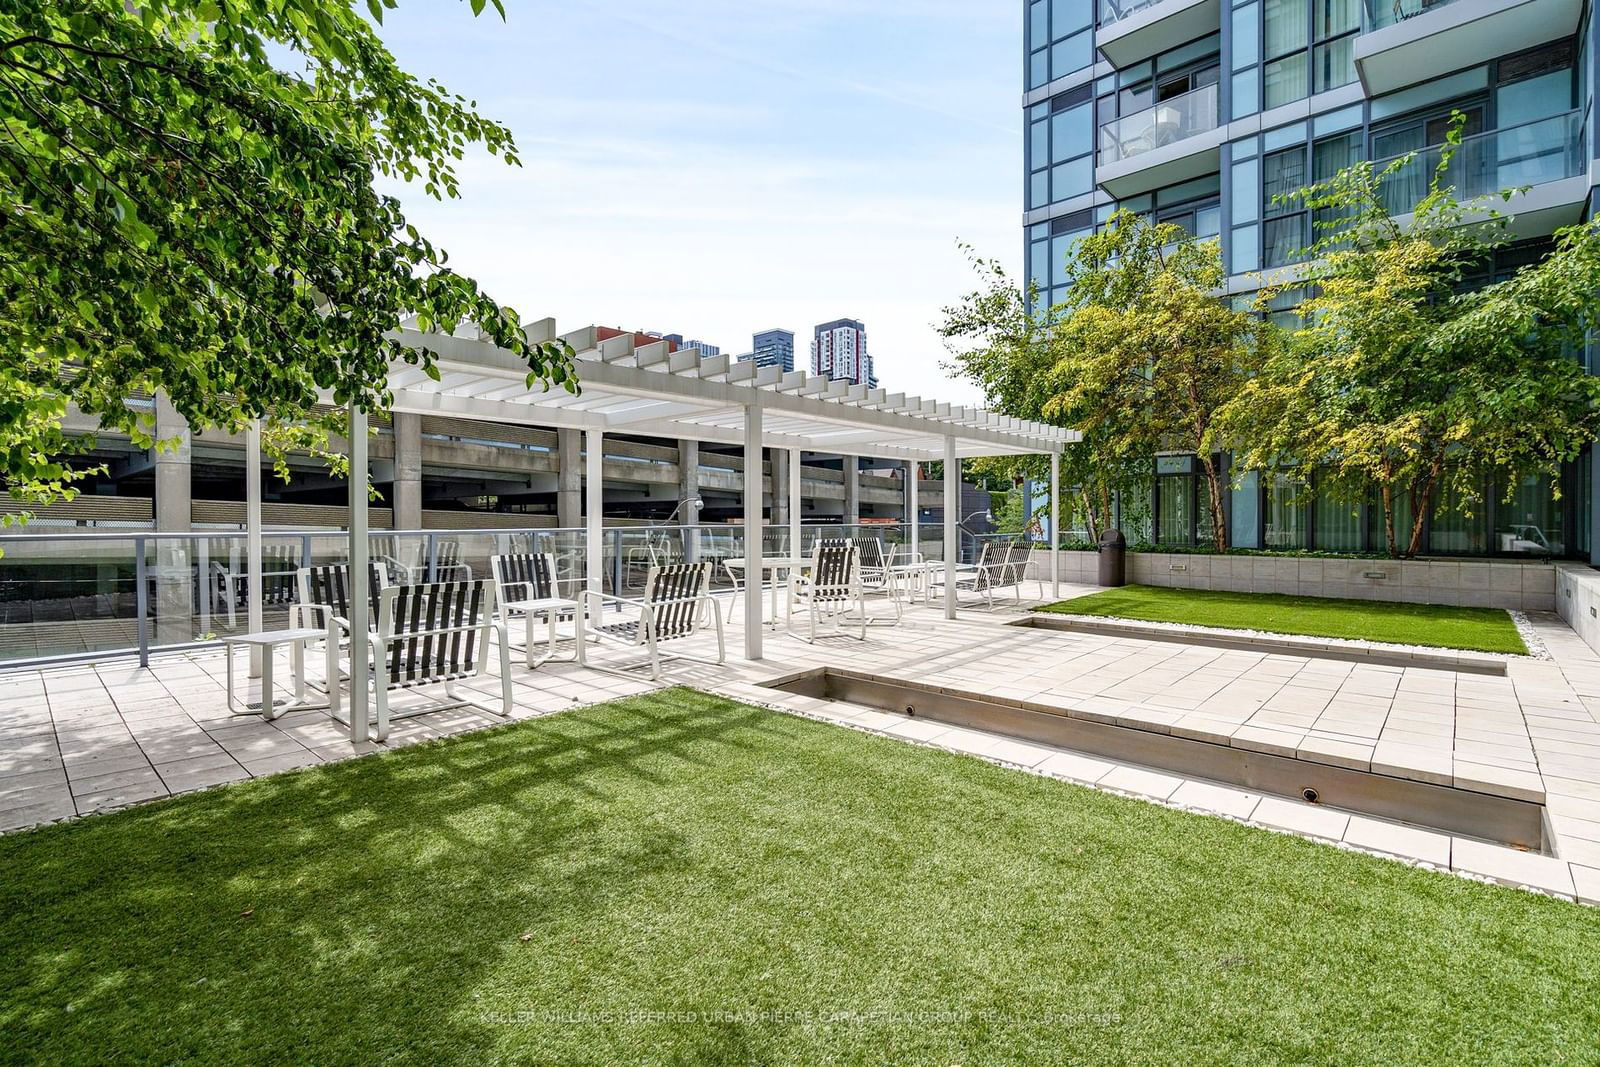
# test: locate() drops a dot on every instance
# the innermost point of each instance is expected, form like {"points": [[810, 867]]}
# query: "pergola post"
{"points": [[913, 472], [796, 549], [1055, 525], [952, 506], [360, 555], [252, 537], [752, 530], [594, 562]]}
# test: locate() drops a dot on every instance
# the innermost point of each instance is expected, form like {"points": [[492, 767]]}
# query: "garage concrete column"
{"points": [[173, 469], [406, 497], [689, 497], [780, 488], [176, 557], [569, 479], [852, 491]]}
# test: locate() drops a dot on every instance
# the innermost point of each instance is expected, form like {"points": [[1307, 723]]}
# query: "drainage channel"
{"points": [[1463, 812]]}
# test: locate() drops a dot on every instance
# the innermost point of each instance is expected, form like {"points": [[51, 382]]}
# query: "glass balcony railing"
{"points": [[1155, 127], [1533, 153], [1381, 13], [1116, 10]]}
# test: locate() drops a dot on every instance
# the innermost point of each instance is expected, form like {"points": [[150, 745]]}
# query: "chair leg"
{"points": [[505, 673], [381, 704]]}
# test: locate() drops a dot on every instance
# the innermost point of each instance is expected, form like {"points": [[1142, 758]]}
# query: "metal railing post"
{"points": [[616, 562], [141, 600], [433, 557]]}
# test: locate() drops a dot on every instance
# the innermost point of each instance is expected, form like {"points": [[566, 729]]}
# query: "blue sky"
{"points": [[717, 167]]}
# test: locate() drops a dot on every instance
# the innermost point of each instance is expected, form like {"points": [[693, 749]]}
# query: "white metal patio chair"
{"points": [[677, 598], [989, 573], [874, 571], [434, 634], [832, 590], [230, 581], [324, 604], [530, 578]]}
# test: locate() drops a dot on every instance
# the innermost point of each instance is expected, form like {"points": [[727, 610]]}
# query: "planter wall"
{"points": [[1578, 600], [1468, 583]]}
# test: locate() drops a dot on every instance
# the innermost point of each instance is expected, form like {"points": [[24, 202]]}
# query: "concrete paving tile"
{"points": [[117, 790], [1261, 739], [1586, 883], [1078, 768], [178, 780], [1414, 763], [1499, 780], [1510, 867], [1141, 781], [916, 729], [42, 808], [1408, 842], [1215, 798], [1021, 753], [1335, 753], [1307, 819], [283, 762]]}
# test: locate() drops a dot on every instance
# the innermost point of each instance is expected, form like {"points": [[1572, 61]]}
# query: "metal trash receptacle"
{"points": [[1113, 558]]}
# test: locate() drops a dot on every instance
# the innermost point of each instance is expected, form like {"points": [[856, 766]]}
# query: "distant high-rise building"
{"points": [[771, 348], [702, 347], [839, 350]]}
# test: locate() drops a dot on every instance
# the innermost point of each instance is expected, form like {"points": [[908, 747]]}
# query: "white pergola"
{"points": [[648, 390]]}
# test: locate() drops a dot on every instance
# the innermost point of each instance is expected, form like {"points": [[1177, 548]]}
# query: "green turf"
{"points": [[1429, 625], [778, 890]]}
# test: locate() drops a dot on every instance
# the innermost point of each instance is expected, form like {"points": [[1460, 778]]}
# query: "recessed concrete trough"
{"points": [[1453, 810]]}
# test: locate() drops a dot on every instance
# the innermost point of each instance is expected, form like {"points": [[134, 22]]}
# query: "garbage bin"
{"points": [[1113, 558]]}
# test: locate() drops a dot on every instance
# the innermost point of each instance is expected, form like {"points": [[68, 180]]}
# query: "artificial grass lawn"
{"points": [[1430, 625], [533, 893]]}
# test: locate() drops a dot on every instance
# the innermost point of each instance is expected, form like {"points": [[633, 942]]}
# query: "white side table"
{"points": [[266, 642], [549, 607]]}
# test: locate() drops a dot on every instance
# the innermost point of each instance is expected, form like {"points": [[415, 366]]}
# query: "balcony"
{"points": [[1173, 141], [1133, 30], [1411, 41], [1546, 155]]}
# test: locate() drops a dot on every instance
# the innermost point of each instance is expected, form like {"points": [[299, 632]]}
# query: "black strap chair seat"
{"points": [[434, 634], [677, 598]]}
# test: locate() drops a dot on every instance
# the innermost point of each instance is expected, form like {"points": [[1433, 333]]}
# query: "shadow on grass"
{"points": [[324, 899]]}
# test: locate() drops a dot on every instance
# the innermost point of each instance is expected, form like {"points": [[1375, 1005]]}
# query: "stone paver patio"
{"points": [[87, 738]]}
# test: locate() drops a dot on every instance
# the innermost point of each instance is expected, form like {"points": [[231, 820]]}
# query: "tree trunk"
{"points": [[1090, 519], [1421, 497], [1388, 520], [1219, 518]]}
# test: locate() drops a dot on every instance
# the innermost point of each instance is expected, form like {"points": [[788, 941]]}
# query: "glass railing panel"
{"points": [[1155, 127], [1381, 13], [1532, 153], [61, 596], [1117, 10]]}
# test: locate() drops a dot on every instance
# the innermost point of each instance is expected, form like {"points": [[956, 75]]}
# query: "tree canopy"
{"points": [[188, 188], [1405, 380], [1140, 357]]}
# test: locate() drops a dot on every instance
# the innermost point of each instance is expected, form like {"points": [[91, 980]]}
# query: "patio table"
{"points": [[775, 564], [549, 607], [266, 641]]}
